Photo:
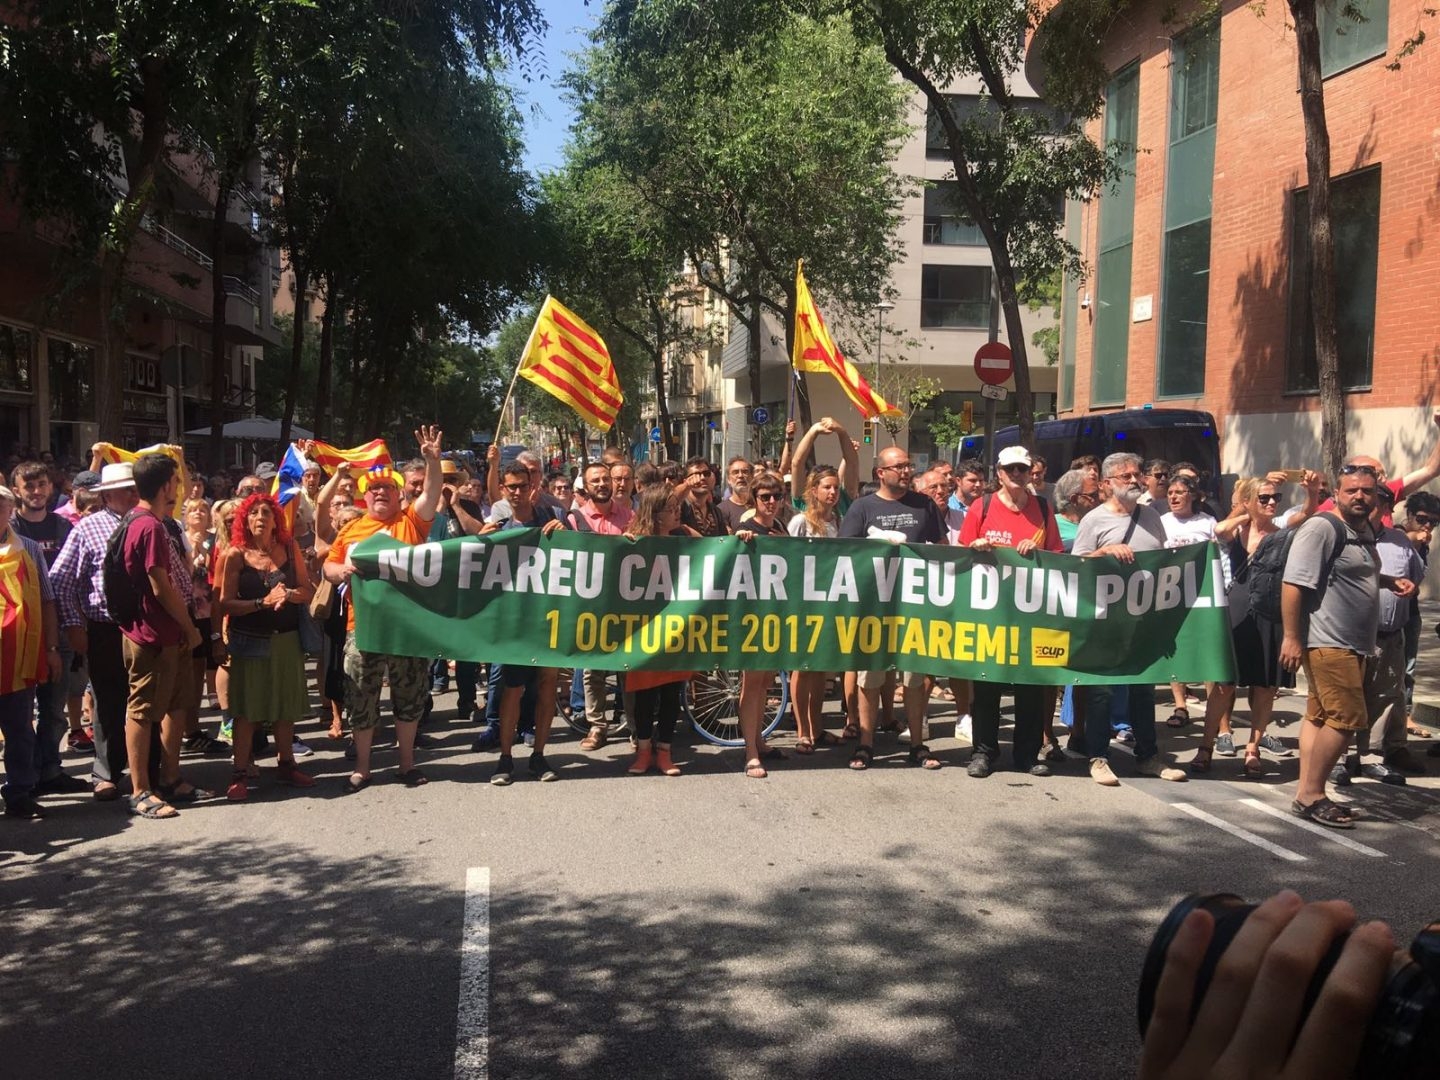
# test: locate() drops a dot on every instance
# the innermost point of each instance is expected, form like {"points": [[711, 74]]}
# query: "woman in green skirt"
{"points": [[263, 584]]}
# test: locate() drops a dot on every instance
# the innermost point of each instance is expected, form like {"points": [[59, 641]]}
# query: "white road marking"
{"points": [[1236, 830], [1310, 826], [472, 1026]]}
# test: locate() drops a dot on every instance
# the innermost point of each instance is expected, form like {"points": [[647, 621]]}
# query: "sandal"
{"points": [[920, 755], [105, 791], [862, 757], [1324, 812], [1201, 764], [1254, 767], [412, 779], [147, 804], [755, 770], [804, 746], [172, 793], [1419, 732], [595, 740], [829, 738], [773, 753], [354, 784], [852, 731], [1179, 718]]}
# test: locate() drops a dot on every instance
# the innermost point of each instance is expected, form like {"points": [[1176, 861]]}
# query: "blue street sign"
{"points": [[759, 415], [655, 434]]}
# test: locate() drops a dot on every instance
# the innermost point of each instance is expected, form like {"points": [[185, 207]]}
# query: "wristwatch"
{"points": [[259, 602]]}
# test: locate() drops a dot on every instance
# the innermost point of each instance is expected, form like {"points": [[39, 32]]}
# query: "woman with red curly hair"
{"points": [[263, 583]]}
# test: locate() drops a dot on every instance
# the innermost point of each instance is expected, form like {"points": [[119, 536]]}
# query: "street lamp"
{"points": [[881, 307]]}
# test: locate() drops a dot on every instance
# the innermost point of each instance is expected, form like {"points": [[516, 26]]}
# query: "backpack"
{"points": [[1265, 571], [121, 599]]}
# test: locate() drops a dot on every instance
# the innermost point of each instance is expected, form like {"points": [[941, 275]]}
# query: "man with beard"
{"points": [[1116, 529], [1330, 604], [598, 513], [735, 504]]}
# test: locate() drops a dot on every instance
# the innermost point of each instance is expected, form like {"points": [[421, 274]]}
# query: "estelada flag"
{"points": [[815, 350], [363, 458], [111, 454], [566, 358]]}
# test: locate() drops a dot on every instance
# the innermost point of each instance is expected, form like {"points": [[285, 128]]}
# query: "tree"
{"points": [[906, 389], [1014, 162]]}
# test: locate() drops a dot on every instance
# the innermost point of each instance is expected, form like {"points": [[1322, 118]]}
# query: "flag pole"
{"points": [[529, 341]]}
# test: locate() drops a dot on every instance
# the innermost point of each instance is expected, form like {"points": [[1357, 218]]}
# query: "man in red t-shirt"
{"points": [[1012, 517], [1407, 484]]}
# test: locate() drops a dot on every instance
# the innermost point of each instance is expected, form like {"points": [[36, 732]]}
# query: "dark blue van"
{"points": [[1171, 434]]}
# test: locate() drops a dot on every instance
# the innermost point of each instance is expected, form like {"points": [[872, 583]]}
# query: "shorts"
{"points": [[159, 677], [1337, 689], [77, 678], [875, 680], [513, 675], [365, 677]]}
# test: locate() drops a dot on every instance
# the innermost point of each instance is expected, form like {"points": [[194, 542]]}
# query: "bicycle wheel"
{"points": [[712, 702], [619, 723]]}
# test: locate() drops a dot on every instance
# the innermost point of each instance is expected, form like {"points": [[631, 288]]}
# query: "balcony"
{"points": [[176, 242]]}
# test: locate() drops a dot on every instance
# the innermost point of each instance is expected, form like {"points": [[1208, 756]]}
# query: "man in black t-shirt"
{"points": [[35, 521], [901, 516]]}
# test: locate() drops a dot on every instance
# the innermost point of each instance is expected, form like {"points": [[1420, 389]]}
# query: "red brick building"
{"points": [[1194, 295]]}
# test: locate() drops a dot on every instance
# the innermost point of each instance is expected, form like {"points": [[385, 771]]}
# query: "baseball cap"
{"points": [[1013, 455], [266, 470], [85, 478]]}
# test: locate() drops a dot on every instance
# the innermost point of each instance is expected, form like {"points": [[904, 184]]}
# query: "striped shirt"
{"points": [[76, 578]]}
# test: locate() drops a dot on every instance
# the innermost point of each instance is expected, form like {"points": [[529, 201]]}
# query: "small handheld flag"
{"points": [[567, 359]]}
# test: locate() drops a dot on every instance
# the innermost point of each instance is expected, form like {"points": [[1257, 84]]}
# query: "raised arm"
{"points": [[324, 529], [1414, 481], [785, 458], [430, 439]]}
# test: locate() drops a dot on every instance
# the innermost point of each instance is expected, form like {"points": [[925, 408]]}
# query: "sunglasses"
{"points": [[904, 466], [516, 487], [1013, 470], [1425, 521], [1267, 498], [1363, 470], [767, 496], [1161, 475]]}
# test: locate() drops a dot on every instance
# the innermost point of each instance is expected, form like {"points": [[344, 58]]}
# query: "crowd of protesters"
{"points": [[128, 614]]}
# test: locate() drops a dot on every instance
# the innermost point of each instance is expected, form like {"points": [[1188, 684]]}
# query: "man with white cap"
{"points": [[87, 624]]}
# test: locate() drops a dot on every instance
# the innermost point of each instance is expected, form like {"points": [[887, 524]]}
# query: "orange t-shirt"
{"points": [[408, 527]]}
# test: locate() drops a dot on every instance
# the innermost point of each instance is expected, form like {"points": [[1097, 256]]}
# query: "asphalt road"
{"points": [[895, 923]]}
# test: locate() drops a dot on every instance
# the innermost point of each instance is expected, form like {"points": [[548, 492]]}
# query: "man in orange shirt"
{"points": [[365, 672]]}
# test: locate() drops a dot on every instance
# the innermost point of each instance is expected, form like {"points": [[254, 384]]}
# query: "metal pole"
{"points": [[990, 402]]}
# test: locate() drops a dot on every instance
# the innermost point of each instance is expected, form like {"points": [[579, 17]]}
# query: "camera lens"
{"points": [[1402, 1040]]}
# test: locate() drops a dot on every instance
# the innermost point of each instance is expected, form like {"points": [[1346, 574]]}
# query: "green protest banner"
{"points": [[580, 600]]}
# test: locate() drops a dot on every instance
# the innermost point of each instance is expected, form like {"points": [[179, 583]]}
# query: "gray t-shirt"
{"points": [[1102, 527], [1343, 609]]}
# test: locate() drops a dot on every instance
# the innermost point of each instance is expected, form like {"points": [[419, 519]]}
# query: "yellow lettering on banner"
{"points": [[990, 644], [870, 630], [586, 630], [674, 633], [964, 641], [553, 618], [650, 635], [914, 643], [720, 633], [1049, 648], [699, 633], [941, 634], [608, 625], [846, 627], [751, 623]]}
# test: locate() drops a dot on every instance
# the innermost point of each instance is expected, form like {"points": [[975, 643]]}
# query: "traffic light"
{"points": [[867, 432], [967, 415]]}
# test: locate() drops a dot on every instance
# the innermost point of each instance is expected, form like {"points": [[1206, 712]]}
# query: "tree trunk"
{"points": [[218, 360], [1015, 331], [297, 349], [352, 404], [140, 170], [327, 360], [1322, 240]]}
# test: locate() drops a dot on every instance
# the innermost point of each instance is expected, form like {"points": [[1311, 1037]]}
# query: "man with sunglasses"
{"points": [[1407, 484], [899, 515], [1157, 477], [365, 672], [1013, 518], [599, 512], [697, 511], [1330, 605]]}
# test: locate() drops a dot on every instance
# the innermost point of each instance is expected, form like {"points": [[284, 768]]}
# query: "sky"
{"points": [[545, 114]]}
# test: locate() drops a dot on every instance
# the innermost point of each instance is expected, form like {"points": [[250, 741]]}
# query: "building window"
{"points": [[955, 296], [982, 109], [1351, 32], [14, 358], [1111, 334], [1190, 165], [945, 221], [1070, 311], [72, 374], [1355, 219]]}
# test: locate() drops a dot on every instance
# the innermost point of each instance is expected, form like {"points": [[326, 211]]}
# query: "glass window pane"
{"points": [[954, 296], [1070, 312], [1351, 32], [1355, 219], [72, 369], [14, 358], [1111, 327], [1195, 84], [945, 222], [1185, 302]]}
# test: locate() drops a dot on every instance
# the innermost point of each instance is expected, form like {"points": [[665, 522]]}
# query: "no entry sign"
{"points": [[993, 362]]}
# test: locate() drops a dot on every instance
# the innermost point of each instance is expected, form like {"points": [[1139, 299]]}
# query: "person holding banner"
{"points": [[1013, 518], [365, 672], [821, 496], [1117, 529], [767, 490]]}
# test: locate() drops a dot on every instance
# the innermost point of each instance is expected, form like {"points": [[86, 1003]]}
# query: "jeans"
{"points": [[53, 721], [467, 676], [1140, 701], [440, 676], [492, 703], [985, 720], [1413, 629], [111, 684], [16, 711], [577, 690]]}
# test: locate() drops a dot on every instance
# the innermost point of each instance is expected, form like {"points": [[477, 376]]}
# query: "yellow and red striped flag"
{"points": [[110, 454], [815, 350], [363, 458], [566, 358]]}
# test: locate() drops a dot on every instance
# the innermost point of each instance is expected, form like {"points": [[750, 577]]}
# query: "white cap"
{"points": [[1013, 455]]}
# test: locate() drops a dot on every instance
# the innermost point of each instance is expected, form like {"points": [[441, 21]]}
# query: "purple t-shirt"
{"points": [[147, 544]]}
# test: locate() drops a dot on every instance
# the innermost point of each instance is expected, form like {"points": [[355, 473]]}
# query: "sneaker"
{"points": [[440, 686], [1275, 746], [1404, 761], [200, 743], [1075, 749], [1125, 736], [1225, 745], [1040, 769], [81, 741], [980, 766], [239, 790], [63, 784], [26, 809], [1102, 774], [964, 728], [350, 749], [504, 773], [1051, 752], [1157, 769], [423, 741], [540, 769], [299, 749], [1339, 776], [488, 739], [287, 773], [528, 738], [1384, 773], [227, 730]]}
